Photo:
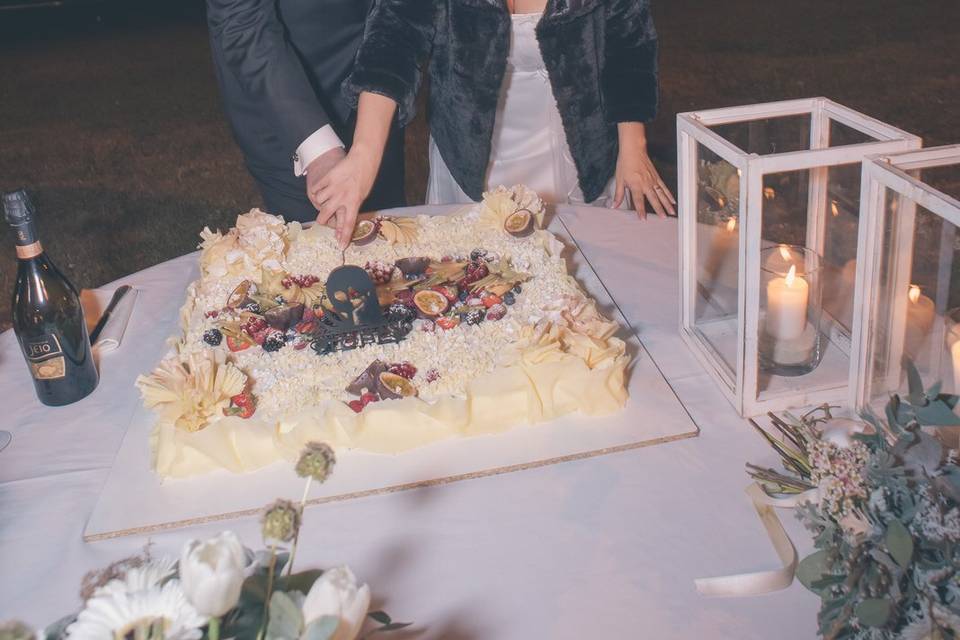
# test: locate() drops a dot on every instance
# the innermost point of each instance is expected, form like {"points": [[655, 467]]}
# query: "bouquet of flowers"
{"points": [[884, 510], [219, 588]]}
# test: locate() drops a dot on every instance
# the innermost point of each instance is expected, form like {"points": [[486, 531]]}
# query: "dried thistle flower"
{"points": [[97, 578], [316, 461], [281, 521], [16, 630]]}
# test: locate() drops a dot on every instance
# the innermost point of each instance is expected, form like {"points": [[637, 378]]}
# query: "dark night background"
{"points": [[110, 115]]}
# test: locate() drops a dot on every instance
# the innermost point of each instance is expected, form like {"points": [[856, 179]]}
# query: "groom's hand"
{"points": [[343, 189], [318, 170]]}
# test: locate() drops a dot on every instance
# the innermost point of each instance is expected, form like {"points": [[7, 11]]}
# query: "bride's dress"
{"points": [[529, 144]]}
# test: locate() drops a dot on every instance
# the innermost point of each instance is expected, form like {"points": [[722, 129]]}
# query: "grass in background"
{"points": [[110, 115]]}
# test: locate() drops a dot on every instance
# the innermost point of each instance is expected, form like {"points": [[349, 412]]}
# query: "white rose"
{"points": [[335, 593], [211, 573]]}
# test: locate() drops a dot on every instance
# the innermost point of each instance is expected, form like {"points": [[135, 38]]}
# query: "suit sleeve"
{"points": [[255, 48], [398, 40], [629, 76]]}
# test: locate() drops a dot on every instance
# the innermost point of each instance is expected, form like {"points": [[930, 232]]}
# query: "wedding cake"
{"points": [[425, 328]]}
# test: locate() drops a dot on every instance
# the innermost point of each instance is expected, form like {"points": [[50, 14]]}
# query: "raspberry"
{"points": [[369, 397], [302, 281], [212, 314], [404, 369], [380, 272], [254, 325], [274, 340], [509, 298], [213, 337], [433, 375]]}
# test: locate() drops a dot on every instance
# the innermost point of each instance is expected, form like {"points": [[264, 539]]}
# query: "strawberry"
{"points": [[242, 405], [356, 405], [491, 299], [447, 322], [369, 397], [237, 344]]}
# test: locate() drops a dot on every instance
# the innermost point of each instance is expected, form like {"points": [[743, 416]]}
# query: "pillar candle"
{"points": [[787, 306], [920, 315]]}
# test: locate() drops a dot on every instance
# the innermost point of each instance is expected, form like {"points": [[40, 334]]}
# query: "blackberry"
{"points": [[509, 298], [399, 312], [274, 341], [251, 306], [464, 295], [213, 337], [474, 316], [476, 254], [517, 289], [322, 345], [401, 327]]}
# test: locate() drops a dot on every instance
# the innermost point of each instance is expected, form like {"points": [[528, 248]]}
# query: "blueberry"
{"points": [[274, 341], [509, 298], [213, 337]]}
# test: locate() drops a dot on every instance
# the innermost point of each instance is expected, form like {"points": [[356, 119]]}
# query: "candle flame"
{"points": [[769, 193], [731, 224], [914, 293], [791, 275], [784, 252], [834, 209]]}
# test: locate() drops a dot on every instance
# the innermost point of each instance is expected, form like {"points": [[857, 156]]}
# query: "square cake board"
{"points": [[134, 501]]}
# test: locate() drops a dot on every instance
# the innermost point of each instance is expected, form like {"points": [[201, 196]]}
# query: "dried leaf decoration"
{"points": [[191, 393], [398, 230]]}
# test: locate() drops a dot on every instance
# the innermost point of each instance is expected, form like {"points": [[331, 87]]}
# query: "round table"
{"points": [[605, 547]]}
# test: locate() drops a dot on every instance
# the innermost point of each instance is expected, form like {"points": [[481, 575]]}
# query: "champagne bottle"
{"points": [[47, 316]]}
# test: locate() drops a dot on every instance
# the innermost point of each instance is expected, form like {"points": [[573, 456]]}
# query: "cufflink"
{"points": [[296, 157]]}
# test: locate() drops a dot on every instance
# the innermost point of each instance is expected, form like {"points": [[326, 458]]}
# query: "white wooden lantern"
{"points": [[908, 293], [763, 189]]}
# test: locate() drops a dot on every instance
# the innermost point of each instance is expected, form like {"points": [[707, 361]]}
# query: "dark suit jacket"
{"points": [[601, 56], [280, 64]]}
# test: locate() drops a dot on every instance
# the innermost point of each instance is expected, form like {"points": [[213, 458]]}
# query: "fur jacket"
{"points": [[601, 57]]}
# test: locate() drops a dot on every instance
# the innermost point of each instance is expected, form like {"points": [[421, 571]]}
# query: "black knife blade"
{"points": [[102, 322]]}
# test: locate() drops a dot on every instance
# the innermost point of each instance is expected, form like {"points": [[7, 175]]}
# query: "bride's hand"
{"points": [[340, 193], [636, 172]]}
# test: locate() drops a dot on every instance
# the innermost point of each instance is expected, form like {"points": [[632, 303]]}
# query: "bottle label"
{"points": [[45, 357]]}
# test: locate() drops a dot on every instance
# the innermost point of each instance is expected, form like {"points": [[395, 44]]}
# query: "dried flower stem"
{"points": [[266, 602], [296, 536]]}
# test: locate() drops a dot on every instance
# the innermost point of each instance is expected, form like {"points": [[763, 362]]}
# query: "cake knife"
{"points": [[102, 322]]}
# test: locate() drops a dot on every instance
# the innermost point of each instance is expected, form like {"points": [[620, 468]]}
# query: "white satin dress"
{"points": [[529, 144]]}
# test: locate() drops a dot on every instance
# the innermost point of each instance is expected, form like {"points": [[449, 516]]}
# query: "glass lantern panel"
{"points": [[917, 306], [769, 135], [811, 211], [944, 179], [718, 260]]}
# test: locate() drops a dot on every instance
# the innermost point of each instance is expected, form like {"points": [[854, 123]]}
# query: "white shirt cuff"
{"points": [[320, 141]]}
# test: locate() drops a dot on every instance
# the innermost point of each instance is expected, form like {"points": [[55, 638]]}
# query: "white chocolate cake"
{"points": [[447, 326]]}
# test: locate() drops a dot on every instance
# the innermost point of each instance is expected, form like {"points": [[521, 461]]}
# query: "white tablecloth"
{"points": [[602, 548]]}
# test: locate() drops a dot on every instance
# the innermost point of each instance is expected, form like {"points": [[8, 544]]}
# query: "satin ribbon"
{"points": [[760, 582]]}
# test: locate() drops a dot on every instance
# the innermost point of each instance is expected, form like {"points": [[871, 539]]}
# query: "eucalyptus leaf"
{"points": [[924, 453], [380, 616], [914, 383], [301, 581], [873, 612], [322, 628], [937, 414], [934, 391], [899, 543], [58, 629], [812, 568], [286, 620]]}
